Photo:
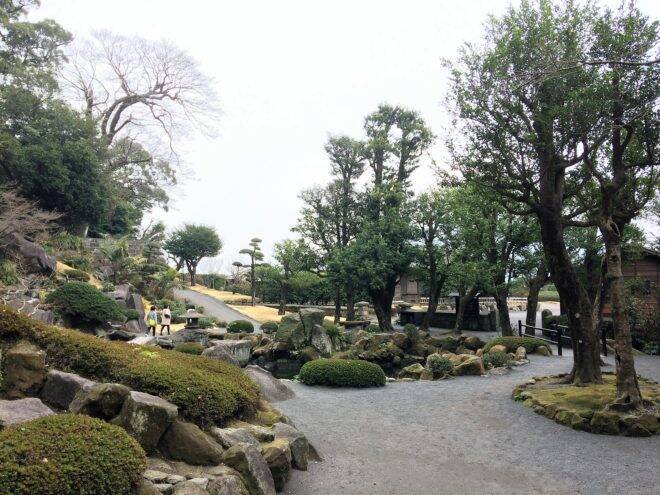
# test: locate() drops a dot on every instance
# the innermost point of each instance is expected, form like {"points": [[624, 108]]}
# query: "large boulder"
{"points": [[498, 348], [297, 442], [101, 400], [228, 482], [24, 370], [291, 331], [311, 317], [248, 461], [320, 340], [143, 340], [228, 437], [272, 389], [277, 455], [13, 412], [35, 257], [400, 339], [473, 365], [135, 302], [220, 353], [186, 442], [198, 335], [134, 327], [189, 487], [146, 487], [238, 349], [413, 371], [61, 388], [473, 343], [146, 417]]}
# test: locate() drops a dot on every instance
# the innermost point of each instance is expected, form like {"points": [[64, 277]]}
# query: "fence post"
{"points": [[520, 328], [559, 339]]}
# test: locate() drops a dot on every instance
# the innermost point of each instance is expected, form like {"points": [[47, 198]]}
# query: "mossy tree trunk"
{"points": [[463, 300], [534, 286]]}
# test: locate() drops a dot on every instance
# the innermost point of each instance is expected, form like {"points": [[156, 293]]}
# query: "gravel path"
{"points": [[214, 307], [462, 436]]}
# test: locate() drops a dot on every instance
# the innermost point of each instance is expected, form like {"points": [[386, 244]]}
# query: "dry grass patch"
{"points": [[220, 295]]}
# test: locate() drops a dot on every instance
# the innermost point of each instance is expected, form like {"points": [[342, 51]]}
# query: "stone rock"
{"points": [[143, 340], [155, 476], [134, 327], [228, 437], [271, 389], [220, 353], [311, 317], [291, 331], [277, 455], [297, 442], [605, 422], [413, 371], [13, 412], [198, 335], [227, 483], [121, 293], [238, 349], [24, 370], [188, 443], [100, 400], [35, 256], [320, 340], [543, 351], [164, 488], [471, 366], [61, 388], [479, 352], [400, 339], [308, 353], [498, 348], [248, 461], [146, 487], [120, 334], [173, 479], [146, 417], [521, 353], [189, 488], [426, 375], [473, 343], [135, 302]]}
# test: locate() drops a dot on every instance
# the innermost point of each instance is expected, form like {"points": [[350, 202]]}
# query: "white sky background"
{"points": [[289, 73]]}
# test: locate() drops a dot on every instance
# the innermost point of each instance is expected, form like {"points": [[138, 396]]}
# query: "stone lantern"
{"points": [[192, 318], [363, 310]]}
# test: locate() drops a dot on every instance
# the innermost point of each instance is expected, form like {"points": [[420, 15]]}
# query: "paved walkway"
{"points": [[214, 307], [462, 436]]}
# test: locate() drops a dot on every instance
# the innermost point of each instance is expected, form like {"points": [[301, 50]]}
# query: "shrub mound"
{"points": [[189, 348], [131, 314], [69, 454], [238, 326], [512, 343], [269, 327], [342, 373], [439, 365], [84, 303], [496, 359], [207, 391]]}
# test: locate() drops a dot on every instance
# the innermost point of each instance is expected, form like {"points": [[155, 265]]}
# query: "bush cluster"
{"points": [[131, 314], [240, 326], [512, 343], [372, 328], [82, 302], [207, 321], [75, 274], [79, 262], [69, 454], [108, 287], [439, 365], [207, 391], [412, 332], [8, 272], [342, 373], [269, 327], [333, 331], [189, 348], [496, 359]]}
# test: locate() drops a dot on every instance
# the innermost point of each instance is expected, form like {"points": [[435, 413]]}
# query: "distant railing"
{"points": [[560, 332]]}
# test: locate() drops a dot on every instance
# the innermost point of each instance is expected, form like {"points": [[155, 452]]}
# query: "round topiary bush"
{"points": [[342, 373], [83, 304], [189, 348], [238, 326], [269, 327], [496, 360], [439, 365], [69, 454]]}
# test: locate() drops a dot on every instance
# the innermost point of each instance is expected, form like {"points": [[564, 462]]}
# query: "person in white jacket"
{"points": [[165, 320]]}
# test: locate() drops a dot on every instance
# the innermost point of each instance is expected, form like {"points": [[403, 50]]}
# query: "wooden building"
{"points": [[408, 289], [645, 269]]}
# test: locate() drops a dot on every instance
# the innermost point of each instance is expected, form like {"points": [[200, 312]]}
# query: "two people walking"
{"points": [[153, 317]]}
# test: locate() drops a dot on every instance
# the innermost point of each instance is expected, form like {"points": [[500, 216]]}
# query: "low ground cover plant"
{"points": [[189, 348], [342, 373], [69, 454], [207, 391], [513, 342], [83, 304], [240, 326]]}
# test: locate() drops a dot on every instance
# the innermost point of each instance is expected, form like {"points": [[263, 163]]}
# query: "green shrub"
{"points": [[545, 314], [221, 324], [512, 343], [205, 390], [189, 348], [207, 321], [189, 305], [342, 373], [200, 309], [83, 303], [8, 272], [108, 287], [177, 308], [78, 262], [412, 332], [131, 314], [371, 328], [439, 365], [240, 326], [496, 359], [333, 331], [69, 454], [269, 327], [63, 241]]}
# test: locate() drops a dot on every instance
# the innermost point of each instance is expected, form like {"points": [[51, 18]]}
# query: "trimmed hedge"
{"points": [[82, 302], [189, 348], [240, 326], [342, 373], [207, 391], [512, 343], [68, 454]]}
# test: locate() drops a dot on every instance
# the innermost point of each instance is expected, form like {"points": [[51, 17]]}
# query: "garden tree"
{"points": [[22, 217], [190, 244], [255, 254], [123, 265], [434, 255], [293, 256], [523, 135], [534, 271]]}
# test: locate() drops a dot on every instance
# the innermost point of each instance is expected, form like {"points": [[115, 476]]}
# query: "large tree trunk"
{"points": [[337, 304], [592, 269], [502, 304], [534, 286], [463, 301], [435, 289], [382, 301], [350, 303], [628, 393]]}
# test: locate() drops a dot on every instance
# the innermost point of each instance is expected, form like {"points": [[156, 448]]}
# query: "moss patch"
{"points": [[584, 408]]}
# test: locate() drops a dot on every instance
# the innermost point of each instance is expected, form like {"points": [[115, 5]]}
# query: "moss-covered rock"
{"points": [[470, 366], [512, 343]]}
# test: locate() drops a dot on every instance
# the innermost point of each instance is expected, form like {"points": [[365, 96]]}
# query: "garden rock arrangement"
{"points": [[585, 408]]}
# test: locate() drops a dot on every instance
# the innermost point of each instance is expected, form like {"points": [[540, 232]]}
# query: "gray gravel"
{"points": [[462, 436], [214, 307]]}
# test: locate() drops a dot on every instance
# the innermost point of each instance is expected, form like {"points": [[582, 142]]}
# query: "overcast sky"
{"points": [[289, 73]]}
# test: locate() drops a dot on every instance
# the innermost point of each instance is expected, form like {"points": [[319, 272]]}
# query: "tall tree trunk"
{"points": [[592, 270], [628, 394], [350, 303], [463, 301], [534, 286], [502, 305], [435, 289], [282, 308], [337, 304], [382, 301]]}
